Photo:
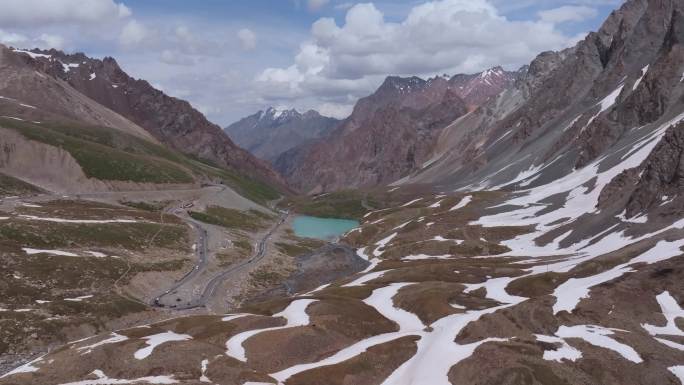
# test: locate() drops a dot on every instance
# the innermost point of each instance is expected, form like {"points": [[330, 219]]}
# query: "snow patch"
{"points": [[30, 251], [442, 239], [295, 315], [678, 371], [67, 67], [381, 244], [671, 311], [420, 257], [102, 379], [33, 55], [231, 317], [114, 338], [598, 336], [569, 293], [643, 73], [564, 352], [26, 368], [157, 339], [462, 203], [382, 300], [365, 278], [609, 100], [203, 377], [79, 299], [411, 202], [96, 254], [88, 221]]}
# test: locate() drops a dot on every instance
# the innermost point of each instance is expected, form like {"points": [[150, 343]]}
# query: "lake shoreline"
{"points": [[327, 229]]}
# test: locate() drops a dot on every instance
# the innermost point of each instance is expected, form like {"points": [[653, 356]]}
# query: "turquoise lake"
{"points": [[322, 228]]}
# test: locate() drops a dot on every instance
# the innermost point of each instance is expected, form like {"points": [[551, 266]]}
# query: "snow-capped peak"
{"points": [[276, 113], [495, 71], [33, 55]]}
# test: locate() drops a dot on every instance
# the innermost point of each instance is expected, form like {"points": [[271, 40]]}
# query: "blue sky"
{"points": [[232, 58]]}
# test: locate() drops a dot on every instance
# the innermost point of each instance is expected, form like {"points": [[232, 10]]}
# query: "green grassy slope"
{"points": [[111, 155]]}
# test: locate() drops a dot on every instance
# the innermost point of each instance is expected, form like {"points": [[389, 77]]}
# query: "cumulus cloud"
{"points": [[568, 13], [340, 62], [44, 40], [335, 110], [27, 13], [175, 58], [248, 39], [133, 33]]}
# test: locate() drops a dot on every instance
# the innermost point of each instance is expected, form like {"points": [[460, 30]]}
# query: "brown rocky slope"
{"points": [[173, 122]]}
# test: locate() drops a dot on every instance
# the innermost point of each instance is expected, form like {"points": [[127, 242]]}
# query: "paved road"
{"points": [[201, 250], [259, 254], [202, 254]]}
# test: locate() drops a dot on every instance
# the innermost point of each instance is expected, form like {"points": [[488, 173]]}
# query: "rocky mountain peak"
{"points": [[280, 114], [492, 74], [401, 84], [171, 121], [270, 132]]}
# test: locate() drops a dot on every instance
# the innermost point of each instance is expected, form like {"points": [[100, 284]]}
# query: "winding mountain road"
{"points": [[199, 299], [203, 260]]}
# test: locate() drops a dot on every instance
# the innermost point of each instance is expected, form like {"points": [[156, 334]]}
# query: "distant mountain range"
{"points": [[268, 134], [389, 133]]}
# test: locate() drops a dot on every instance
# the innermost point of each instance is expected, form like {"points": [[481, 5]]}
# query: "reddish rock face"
{"points": [[477, 89], [172, 121], [390, 133]]}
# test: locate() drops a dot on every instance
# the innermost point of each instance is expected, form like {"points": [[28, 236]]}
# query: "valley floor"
{"points": [[80, 264], [456, 288]]}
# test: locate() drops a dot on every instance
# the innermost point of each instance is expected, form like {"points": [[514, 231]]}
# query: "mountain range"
{"points": [[518, 227], [389, 133], [108, 96], [267, 134]]}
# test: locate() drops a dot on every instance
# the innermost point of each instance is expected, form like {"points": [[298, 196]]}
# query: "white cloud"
{"points": [[335, 110], [568, 13], [133, 34], [51, 41], [175, 58], [339, 62], [14, 39], [248, 39], [43, 41], [27, 13], [315, 5]]}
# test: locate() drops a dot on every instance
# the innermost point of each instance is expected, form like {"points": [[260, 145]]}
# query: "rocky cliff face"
{"points": [[576, 108], [267, 134], [23, 89], [171, 121], [391, 132], [388, 135]]}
